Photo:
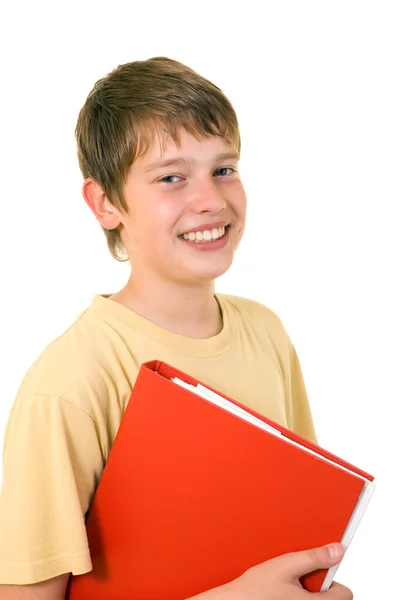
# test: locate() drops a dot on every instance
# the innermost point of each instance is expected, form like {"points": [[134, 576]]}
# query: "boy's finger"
{"points": [[297, 564]]}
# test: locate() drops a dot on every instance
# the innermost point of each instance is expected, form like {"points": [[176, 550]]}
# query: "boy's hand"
{"points": [[278, 579]]}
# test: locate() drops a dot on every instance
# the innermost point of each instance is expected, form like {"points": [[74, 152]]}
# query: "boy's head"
{"points": [[132, 106]]}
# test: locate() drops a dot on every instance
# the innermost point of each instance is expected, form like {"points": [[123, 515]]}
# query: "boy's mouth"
{"points": [[205, 236]]}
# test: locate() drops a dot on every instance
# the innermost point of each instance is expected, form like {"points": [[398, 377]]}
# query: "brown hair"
{"points": [[118, 120]]}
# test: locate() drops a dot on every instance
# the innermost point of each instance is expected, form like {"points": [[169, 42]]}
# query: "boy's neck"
{"points": [[190, 312]]}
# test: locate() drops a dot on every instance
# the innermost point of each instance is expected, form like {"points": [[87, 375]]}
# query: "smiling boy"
{"points": [[181, 230], [159, 149]]}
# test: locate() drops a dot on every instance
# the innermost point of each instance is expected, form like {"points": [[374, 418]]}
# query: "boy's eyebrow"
{"points": [[233, 154]]}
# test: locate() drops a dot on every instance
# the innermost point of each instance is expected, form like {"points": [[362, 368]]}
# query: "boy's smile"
{"points": [[211, 236]]}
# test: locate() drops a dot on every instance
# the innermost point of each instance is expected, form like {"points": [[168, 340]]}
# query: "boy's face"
{"points": [[193, 187]]}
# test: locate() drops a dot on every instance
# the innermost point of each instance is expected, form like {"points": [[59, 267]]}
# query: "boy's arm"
{"points": [[300, 419], [272, 580], [52, 589], [52, 459]]}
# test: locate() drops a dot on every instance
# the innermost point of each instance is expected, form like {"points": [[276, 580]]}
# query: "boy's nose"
{"points": [[207, 197]]}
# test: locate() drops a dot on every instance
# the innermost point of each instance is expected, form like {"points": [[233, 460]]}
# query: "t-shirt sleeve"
{"points": [[298, 406], [52, 461]]}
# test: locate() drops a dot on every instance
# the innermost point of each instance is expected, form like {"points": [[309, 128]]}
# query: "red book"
{"points": [[194, 494]]}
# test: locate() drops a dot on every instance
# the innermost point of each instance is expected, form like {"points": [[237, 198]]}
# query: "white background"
{"points": [[316, 88]]}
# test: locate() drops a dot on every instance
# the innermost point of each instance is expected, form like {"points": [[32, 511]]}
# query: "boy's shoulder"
{"points": [[74, 365], [257, 315]]}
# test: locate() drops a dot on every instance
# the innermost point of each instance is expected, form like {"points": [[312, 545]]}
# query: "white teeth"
{"points": [[208, 235]]}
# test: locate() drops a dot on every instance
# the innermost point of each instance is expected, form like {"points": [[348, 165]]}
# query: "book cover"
{"points": [[192, 495]]}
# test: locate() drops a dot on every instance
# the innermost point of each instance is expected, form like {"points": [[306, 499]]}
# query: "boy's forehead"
{"points": [[187, 147]]}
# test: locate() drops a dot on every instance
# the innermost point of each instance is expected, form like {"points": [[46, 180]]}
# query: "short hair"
{"points": [[125, 108]]}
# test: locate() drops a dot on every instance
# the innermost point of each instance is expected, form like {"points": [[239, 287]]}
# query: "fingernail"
{"points": [[334, 551]]}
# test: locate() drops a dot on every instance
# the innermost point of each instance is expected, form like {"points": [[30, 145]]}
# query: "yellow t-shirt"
{"points": [[69, 406]]}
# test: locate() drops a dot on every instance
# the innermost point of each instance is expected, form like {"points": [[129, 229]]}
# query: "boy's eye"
{"points": [[169, 179], [223, 171]]}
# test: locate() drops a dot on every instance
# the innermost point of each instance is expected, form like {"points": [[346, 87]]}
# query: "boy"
{"points": [[158, 146]]}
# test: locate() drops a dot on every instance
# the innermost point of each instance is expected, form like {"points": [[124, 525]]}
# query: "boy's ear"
{"points": [[106, 214]]}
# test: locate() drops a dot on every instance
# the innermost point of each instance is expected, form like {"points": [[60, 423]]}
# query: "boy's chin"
{"points": [[202, 273]]}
